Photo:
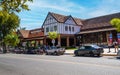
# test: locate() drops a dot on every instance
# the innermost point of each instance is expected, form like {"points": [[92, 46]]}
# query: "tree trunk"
{"points": [[4, 48]]}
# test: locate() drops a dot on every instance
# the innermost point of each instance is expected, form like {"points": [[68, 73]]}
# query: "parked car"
{"points": [[18, 51], [31, 50], [40, 51], [104, 46], [55, 51], [89, 50]]}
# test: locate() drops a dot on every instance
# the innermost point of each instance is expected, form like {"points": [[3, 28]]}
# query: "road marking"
{"points": [[61, 61]]}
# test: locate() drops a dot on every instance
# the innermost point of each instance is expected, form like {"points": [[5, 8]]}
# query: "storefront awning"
{"points": [[97, 30]]}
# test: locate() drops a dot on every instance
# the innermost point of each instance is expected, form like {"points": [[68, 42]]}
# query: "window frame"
{"points": [[66, 28]]}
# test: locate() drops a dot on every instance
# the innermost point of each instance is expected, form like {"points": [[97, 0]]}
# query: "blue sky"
{"points": [[83, 9]]}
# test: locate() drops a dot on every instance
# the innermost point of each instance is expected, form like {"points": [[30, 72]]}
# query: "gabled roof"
{"points": [[37, 29], [59, 17], [62, 18], [99, 22], [78, 21], [24, 33], [32, 33]]}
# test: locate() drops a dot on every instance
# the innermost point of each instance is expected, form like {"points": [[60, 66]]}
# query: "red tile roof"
{"points": [[24, 33], [32, 33]]}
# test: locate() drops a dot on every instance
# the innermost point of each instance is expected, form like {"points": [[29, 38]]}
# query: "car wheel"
{"points": [[98, 55], [56, 53], [76, 54], [46, 53], [91, 54]]}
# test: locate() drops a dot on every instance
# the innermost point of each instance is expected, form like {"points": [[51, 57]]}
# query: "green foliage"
{"points": [[116, 23], [11, 39], [23, 28], [14, 5], [8, 22], [32, 42], [53, 35]]}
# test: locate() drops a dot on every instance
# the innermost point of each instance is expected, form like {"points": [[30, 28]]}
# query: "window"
{"points": [[88, 47], [51, 28], [55, 28], [73, 29], [69, 28], [66, 28], [82, 47], [47, 29]]}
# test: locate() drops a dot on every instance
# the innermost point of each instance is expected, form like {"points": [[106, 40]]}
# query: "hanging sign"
{"points": [[110, 38]]}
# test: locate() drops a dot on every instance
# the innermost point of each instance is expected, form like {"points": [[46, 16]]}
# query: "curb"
{"points": [[68, 53], [101, 54], [109, 54]]}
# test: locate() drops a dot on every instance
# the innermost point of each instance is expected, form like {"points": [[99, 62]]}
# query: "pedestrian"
{"points": [[109, 45], [115, 43]]}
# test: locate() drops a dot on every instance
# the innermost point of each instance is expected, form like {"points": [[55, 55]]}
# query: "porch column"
{"points": [[59, 40], [74, 41], [67, 41], [44, 40]]}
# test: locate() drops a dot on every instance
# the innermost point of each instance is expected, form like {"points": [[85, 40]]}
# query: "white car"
{"points": [[55, 51]]}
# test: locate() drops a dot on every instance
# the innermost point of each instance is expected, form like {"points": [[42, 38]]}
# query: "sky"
{"points": [[83, 9]]}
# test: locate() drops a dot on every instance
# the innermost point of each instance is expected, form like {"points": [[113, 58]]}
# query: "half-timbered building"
{"points": [[66, 26], [73, 31]]}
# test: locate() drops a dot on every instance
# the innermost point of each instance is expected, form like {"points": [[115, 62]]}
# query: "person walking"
{"points": [[109, 45], [115, 43]]}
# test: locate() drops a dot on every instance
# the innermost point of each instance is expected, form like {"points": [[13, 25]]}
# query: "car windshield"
{"points": [[53, 47], [82, 47], [95, 46]]}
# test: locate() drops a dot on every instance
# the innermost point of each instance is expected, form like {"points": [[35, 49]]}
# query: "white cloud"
{"points": [[60, 5], [105, 7], [40, 8]]}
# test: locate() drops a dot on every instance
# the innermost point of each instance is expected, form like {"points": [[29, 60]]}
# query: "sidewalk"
{"points": [[112, 53]]}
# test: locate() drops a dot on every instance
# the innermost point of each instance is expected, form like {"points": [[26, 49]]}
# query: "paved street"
{"points": [[20, 64]]}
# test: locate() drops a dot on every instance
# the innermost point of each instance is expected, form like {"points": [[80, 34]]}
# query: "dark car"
{"points": [[89, 50], [31, 50]]}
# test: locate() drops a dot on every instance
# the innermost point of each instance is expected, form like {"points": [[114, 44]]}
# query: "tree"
{"points": [[14, 5], [9, 21], [53, 36], [116, 23], [23, 28], [11, 39]]}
